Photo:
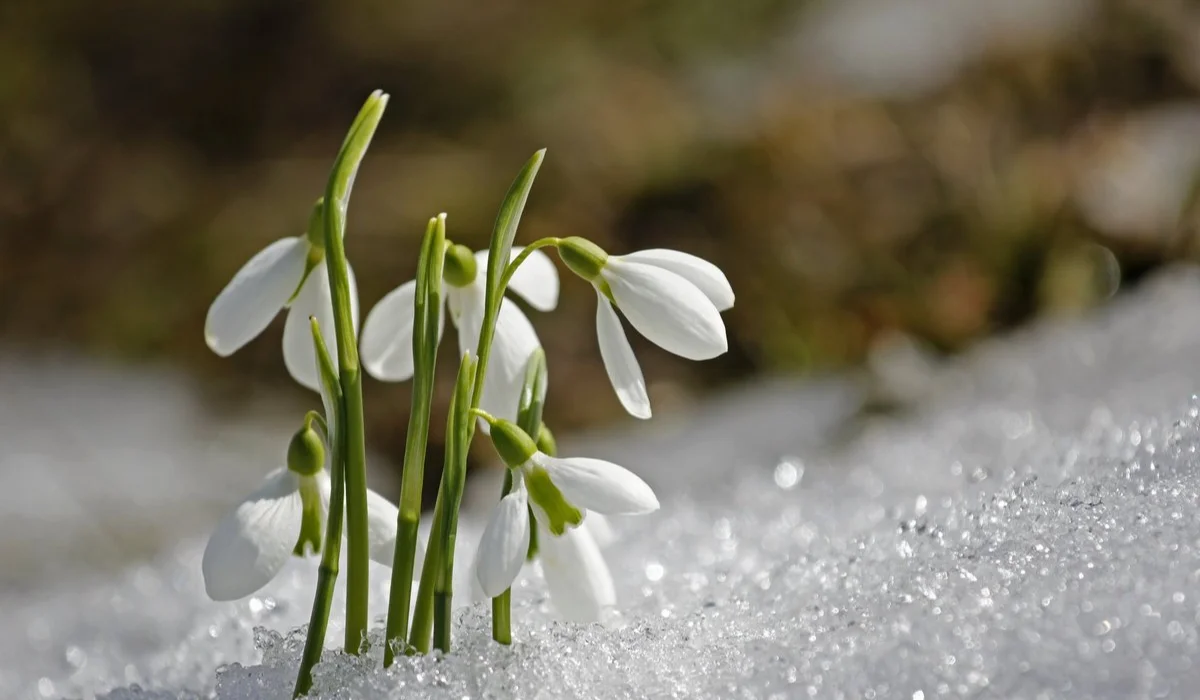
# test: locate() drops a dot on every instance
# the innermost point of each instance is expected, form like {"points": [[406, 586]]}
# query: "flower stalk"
{"points": [[331, 551], [454, 477], [353, 448], [529, 418], [435, 591], [426, 325]]}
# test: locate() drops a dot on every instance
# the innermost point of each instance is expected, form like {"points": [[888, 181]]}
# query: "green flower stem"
{"points": [[426, 322], [523, 255], [353, 449], [420, 636], [441, 543], [454, 478], [314, 417], [529, 419], [331, 551]]}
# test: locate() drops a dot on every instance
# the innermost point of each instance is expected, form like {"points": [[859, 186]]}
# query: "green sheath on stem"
{"points": [[353, 450], [328, 571], [426, 323]]}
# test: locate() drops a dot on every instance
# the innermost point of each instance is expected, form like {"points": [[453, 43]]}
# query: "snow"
{"points": [[1030, 529]]}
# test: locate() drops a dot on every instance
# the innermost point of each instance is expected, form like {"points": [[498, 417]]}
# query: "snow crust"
{"points": [[1029, 530]]}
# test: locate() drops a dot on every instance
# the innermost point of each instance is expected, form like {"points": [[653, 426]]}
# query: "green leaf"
{"points": [[506, 224], [358, 139]]}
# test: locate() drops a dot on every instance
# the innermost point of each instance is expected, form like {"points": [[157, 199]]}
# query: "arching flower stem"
{"points": [[523, 255], [352, 450]]}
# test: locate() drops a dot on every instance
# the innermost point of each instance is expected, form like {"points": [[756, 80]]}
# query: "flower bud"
{"points": [[583, 257], [306, 452], [460, 268], [513, 445]]}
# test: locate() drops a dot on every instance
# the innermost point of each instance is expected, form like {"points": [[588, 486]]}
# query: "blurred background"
{"points": [[879, 178]]}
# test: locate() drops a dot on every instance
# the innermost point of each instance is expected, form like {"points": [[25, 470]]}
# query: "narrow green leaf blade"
{"points": [[505, 230]]}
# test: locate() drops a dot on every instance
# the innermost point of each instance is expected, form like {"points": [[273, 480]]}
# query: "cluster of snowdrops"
{"points": [[546, 511]]}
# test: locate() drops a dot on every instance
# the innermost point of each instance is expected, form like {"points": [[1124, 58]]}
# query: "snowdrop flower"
{"points": [[672, 298], [386, 347], [578, 578], [561, 492], [284, 516], [576, 574], [289, 273]]}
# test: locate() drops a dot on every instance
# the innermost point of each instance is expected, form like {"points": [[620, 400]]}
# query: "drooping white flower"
{"points": [[289, 273], [672, 298], [576, 574], [561, 492], [287, 514], [386, 347], [580, 583]]}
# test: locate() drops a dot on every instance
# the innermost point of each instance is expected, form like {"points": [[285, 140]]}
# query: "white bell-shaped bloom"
{"points": [[580, 583], [275, 279], [561, 492], [673, 299], [577, 577], [504, 543], [287, 514], [386, 347], [251, 543]]}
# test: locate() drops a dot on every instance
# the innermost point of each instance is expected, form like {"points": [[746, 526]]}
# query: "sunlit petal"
{"points": [[255, 294], [619, 361], [387, 337], [600, 529], [580, 583], [598, 485], [670, 311], [251, 543], [504, 544], [316, 300], [707, 277]]}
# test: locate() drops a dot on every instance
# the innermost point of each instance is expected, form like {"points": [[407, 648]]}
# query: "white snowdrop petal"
{"points": [[298, 354], [598, 485], [381, 529], [535, 281], [513, 344], [465, 305], [255, 295], [580, 583], [504, 544], [254, 540], [707, 277], [601, 530], [387, 337], [670, 311], [324, 491], [619, 361], [314, 299]]}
